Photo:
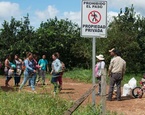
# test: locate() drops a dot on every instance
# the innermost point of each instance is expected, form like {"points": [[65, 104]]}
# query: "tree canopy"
{"points": [[125, 33]]}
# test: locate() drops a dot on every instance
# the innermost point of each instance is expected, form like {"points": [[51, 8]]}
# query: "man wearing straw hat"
{"points": [[99, 66], [116, 71]]}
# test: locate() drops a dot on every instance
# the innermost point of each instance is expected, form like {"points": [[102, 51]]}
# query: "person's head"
{"points": [[54, 56], [112, 52], [30, 55], [57, 54], [100, 57], [8, 57], [44, 56], [35, 56], [16, 56]]}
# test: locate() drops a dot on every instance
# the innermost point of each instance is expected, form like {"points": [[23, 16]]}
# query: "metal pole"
{"points": [[93, 69]]}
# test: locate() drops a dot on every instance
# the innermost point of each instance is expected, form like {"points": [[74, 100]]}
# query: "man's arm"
{"points": [[124, 68], [110, 68]]}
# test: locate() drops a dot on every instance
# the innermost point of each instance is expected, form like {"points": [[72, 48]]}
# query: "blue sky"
{"points": [[41, 10]]}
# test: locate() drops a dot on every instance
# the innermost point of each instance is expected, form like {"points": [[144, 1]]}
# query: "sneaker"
{"points": [[19, 91], [35, 92], [109, 99], [98, 94], [7, 85], [54, 94], [119, 99]]}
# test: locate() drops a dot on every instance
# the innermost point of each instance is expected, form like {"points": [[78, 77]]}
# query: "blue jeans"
{"points": [[31, 80], [26, 78]]}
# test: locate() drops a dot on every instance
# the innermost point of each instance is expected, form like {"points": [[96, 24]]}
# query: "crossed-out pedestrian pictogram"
{"points": [[94, 17]]}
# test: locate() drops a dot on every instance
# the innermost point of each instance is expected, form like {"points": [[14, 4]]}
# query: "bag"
{"points": [[10, 72], [18, 71], [63, 66], [23, 66], [127, 87], [126, 90], [132, 83], [97, 70]]}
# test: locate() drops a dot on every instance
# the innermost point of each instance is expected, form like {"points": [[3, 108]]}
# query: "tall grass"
{"points": [[85, 75], [13, 103], [90, 110]]}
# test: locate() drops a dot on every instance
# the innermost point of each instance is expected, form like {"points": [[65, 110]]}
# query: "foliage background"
{"points": [[125, 33]]}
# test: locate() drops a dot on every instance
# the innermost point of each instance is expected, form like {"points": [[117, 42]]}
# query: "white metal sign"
{"points": [[94, 18]]}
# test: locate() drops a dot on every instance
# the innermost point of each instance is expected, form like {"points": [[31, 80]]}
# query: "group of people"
{"points": [[116, 72], [30, 67]]}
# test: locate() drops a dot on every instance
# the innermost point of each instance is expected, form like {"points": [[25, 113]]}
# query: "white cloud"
{"points": [[8, 9], [50, 12], [73, 16], [110, 16], [117, 4]]}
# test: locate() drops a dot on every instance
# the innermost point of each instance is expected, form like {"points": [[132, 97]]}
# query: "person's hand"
{"points": [[34, 71], [109, 75]]}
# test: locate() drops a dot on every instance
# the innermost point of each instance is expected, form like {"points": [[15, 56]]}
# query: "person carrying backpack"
{"points": [[98, 70], [56, 69], [59, 78]]}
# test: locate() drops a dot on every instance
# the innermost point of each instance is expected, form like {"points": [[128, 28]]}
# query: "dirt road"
{"points": [[72, 90]]}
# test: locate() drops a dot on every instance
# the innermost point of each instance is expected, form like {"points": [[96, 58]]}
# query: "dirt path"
{"points": [[72, 90]]}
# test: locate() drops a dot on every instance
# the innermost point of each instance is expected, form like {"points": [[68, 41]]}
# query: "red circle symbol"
{"points": [[94, 17]]}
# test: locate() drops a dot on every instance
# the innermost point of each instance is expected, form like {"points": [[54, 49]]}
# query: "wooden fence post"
{"points": [[80, 100], [103, 92]]}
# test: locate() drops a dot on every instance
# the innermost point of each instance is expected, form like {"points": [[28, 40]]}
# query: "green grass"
{"points": [[85, 75], [82, 75], [13, 103], [89, 110]]}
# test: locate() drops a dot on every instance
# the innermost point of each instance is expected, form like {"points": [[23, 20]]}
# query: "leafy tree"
{"points": [[63, 36], [123, 34]]}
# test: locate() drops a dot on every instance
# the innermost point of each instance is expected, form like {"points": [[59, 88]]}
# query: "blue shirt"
{"points": [[43, 63], [28, 65]]}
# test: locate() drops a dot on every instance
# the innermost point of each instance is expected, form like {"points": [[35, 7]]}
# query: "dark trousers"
{"points": [[99, 81], [115, 78], [17, 79], [7, 80]]}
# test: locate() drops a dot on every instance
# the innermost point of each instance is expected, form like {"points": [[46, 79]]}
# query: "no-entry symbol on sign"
{"points": [[94, 17]]}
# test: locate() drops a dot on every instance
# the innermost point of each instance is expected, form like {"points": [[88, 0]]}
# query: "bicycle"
{"points": [[138, 91]]}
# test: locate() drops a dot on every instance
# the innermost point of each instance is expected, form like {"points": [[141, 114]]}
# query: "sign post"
{"points": [[94, 25], [93, 69]]}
